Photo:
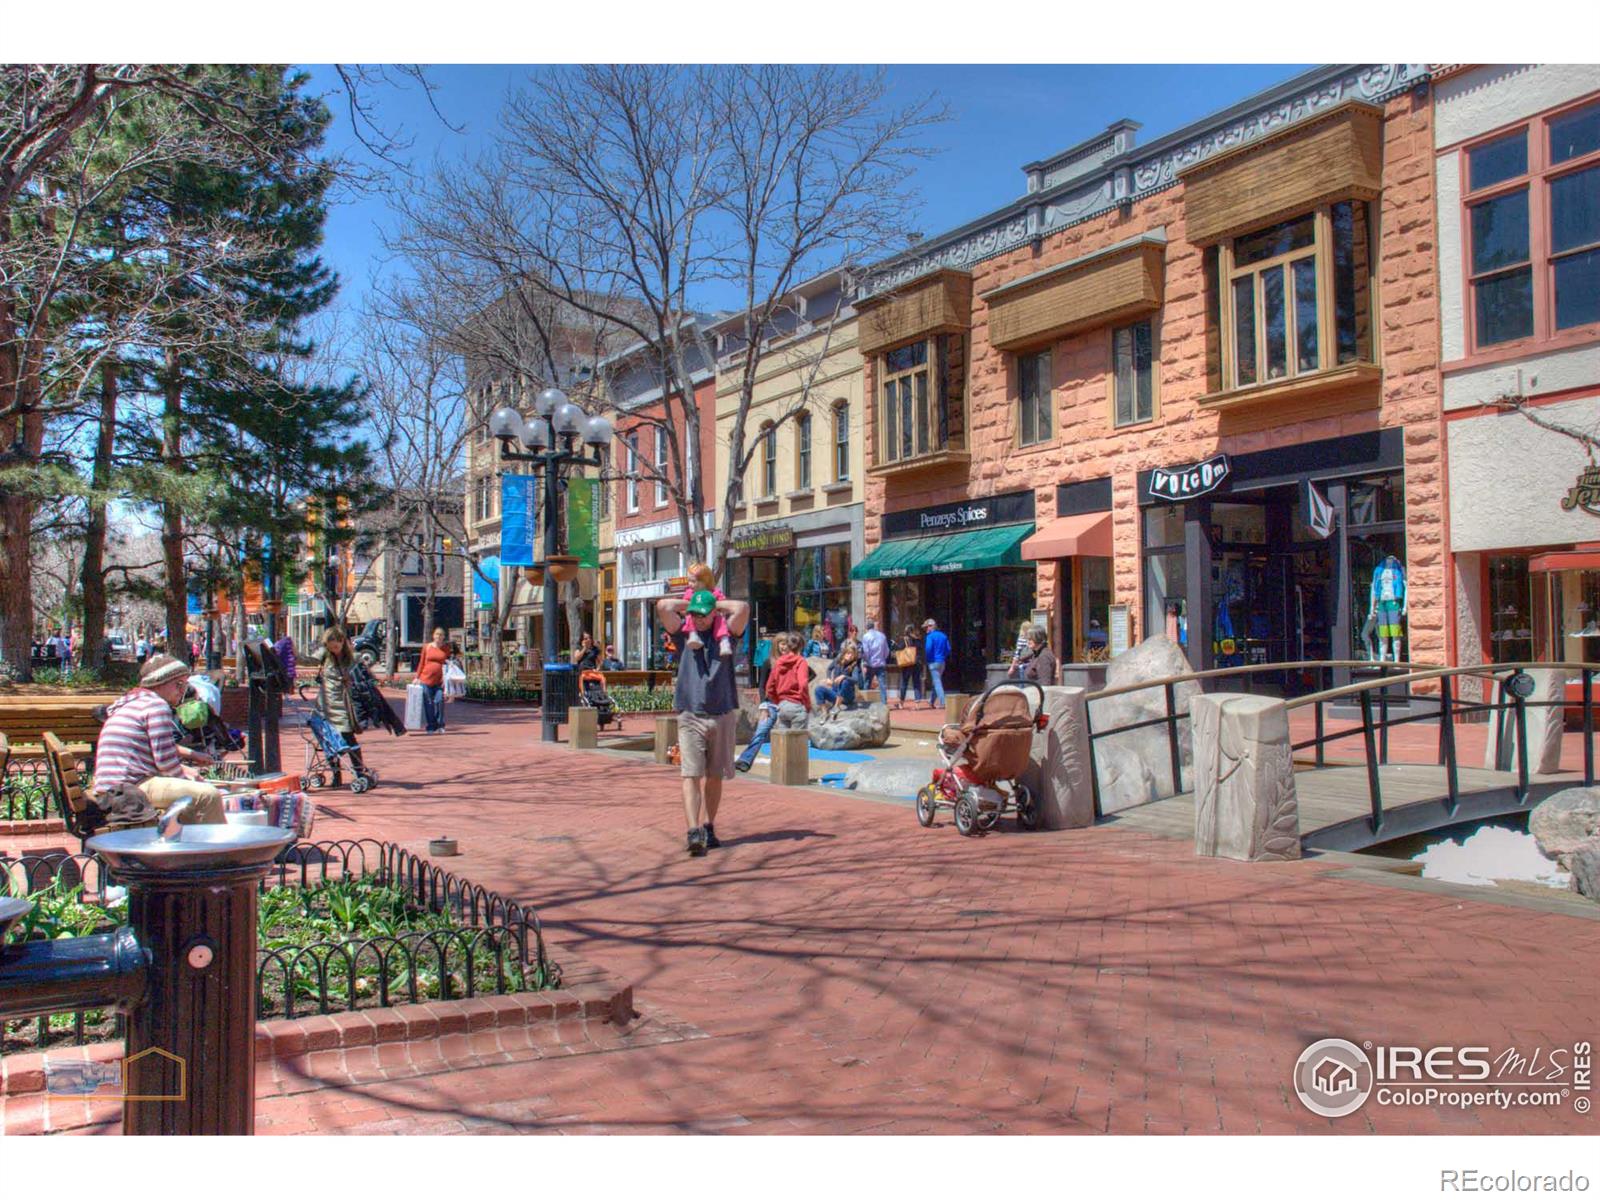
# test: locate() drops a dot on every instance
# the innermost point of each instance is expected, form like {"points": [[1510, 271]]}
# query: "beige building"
{"points": [[800, 527]]}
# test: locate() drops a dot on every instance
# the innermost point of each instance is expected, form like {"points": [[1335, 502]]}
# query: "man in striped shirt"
{"points": [[138, 745]]}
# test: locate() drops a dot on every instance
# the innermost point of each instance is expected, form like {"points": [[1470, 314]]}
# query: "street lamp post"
{"points": [[550, 437]]}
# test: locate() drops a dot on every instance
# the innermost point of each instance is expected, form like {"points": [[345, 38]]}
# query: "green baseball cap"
{"points": [[702, 602]]}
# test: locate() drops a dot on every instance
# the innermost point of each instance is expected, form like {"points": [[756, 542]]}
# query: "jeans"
{"points": [[432, 707], [789, 714], [936, 670], [877, 677], [845, 693], [912, 677]]}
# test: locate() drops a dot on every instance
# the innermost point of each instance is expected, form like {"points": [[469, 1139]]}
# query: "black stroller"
{"points": [[592, 693]]}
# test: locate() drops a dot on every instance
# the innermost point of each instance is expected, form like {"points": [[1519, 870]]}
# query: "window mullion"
{"points": [[1225, 312], [1544, 275], [1327, 332]]}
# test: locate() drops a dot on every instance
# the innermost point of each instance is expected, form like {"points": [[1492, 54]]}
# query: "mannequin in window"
{"points": [[1389, 607]]}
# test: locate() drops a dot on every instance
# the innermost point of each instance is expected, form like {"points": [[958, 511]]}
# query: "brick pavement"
{"points": [[836, 968]]}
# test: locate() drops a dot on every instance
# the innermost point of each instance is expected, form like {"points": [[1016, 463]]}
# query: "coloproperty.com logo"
{"points": [[1335, 1077]]}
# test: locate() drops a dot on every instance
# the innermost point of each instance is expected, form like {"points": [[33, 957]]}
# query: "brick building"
{"points": [[1099, 406]]}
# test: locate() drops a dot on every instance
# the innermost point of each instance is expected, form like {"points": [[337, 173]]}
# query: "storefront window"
{"points": [[1376, 500], [821, 581], [906, 604], [1573, 598], [1510, 610], [1167, 596], [1163, 526]]}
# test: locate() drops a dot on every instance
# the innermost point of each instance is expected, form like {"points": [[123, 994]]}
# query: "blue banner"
{"points": [[518, 526], [485, 579]]}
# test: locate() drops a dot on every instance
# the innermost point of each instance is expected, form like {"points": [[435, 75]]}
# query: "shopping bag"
{"points": [[414, 714], [455, 680]]}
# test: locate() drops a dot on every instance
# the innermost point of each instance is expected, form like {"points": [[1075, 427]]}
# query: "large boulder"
{"points": [[1565, 821], [1136, 767], [889, 777], [850, 728], [1584, 863]]}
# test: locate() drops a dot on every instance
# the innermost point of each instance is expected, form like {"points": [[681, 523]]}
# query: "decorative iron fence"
{"points": [[344, 925], [25, 791]]}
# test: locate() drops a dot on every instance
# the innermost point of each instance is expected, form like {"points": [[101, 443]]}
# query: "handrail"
{"points": [[1489, 670], [1249, 669]]}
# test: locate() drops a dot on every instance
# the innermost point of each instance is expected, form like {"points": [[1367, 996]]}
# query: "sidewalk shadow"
{"points": [[779, 835]]}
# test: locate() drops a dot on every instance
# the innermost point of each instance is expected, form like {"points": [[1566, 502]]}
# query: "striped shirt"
{"points": [[137, 742]]}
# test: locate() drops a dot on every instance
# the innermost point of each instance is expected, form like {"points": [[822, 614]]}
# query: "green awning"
{"points": [[940, 554]]}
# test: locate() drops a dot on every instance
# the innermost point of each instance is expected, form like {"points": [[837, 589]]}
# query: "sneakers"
{"points": [[694, 642], [710, 837], [725, 647], [741, 765], [697, 843]]}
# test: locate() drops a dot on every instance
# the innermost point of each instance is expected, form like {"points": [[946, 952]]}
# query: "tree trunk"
{"points": [[175, 594], [241, 661], [94, 540], [22, 431], [391, 634]]}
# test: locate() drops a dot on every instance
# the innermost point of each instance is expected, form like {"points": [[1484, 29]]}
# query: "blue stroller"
{"points": [[328, 752]]}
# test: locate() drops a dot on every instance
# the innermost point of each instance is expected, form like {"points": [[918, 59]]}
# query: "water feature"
{"points": [[1479, 853]]}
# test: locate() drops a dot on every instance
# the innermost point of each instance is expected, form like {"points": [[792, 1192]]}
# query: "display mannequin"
{"points": [[1389, 607]]}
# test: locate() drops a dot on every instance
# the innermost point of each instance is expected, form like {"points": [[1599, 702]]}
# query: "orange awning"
{"points": [[1558, 560], [1068, 537]]}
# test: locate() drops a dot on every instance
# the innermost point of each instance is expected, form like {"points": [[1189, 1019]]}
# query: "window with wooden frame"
{"points": [[1297, 296], [1133, 374], [633, 472], [769, 461], [913, 420], [841, 441], [802, 452], [661, 467], [1034, 424], [1531, 225]]}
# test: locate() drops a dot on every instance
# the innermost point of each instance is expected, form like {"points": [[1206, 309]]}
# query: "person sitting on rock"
{"points": [[788, 697], [840, 686]]}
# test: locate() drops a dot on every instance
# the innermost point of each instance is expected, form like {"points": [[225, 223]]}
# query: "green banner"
{"points": [[583, 521]]}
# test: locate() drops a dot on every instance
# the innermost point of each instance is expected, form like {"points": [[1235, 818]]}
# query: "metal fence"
{"points": [[495, 946]]}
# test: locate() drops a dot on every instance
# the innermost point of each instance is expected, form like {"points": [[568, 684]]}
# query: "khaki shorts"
{"points": [[206, 809], [705, 744]]}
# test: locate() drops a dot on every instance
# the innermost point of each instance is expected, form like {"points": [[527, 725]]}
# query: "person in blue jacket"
{"points": [[936, 652]]}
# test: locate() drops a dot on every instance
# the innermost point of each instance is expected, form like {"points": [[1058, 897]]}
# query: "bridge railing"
{"points": [[1508, 710], [1171, 716]]}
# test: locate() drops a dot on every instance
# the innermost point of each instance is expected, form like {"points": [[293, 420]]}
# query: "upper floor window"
{"points": [[1532, 224], [1033, 398], [841, 440], [484, 485], [605, 498], [1133, 374], [661, 467], [802, 452], [1296, 297], [769, 461], [633, 472]]}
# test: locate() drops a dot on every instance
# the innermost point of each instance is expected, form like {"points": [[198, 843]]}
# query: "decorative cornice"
{"points": [[1148, 169]]}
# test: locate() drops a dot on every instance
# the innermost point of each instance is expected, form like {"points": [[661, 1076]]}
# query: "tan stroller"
{"points": [[984, 758]]}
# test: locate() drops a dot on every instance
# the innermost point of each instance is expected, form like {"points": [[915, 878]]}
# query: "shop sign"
{"points": [[1185, 483], [1584, 494], [1012, 508], [762, 539]]}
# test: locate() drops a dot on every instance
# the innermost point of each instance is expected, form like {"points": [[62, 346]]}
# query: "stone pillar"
{"points": [[666, 738], [583, 728], [1245, 805], [1058, 773], [1544, 726], [791, 757], [955, 706]]}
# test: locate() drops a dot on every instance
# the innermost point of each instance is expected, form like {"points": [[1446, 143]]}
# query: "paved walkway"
{"points": [[836, 968]]}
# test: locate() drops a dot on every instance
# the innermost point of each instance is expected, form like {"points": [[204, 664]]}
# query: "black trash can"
{"points": [[560, 690]]}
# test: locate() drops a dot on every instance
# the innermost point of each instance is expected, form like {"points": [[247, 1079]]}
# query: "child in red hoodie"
{"points": [[788, 697]]}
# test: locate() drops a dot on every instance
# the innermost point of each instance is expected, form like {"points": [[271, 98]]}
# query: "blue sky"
{"points": [[1001, 118]]}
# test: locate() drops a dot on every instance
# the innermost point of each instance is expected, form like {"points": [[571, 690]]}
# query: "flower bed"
{"points": [[487, 689], [342, 926], [638, 699]]}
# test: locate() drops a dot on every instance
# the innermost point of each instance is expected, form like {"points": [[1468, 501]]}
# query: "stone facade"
{"points": [[1086, 445]]}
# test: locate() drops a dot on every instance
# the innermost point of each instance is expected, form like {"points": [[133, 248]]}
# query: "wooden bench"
{"points": [[71, 718], [67, 781]]}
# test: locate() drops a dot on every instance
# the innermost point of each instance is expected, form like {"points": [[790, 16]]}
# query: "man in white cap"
{"points": [[138, 746]]}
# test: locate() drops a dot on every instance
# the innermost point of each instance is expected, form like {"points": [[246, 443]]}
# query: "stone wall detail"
{"points": [[1245, 805]]}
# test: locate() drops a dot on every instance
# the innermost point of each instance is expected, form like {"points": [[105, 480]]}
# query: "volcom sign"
{"points": [[1185, 483]]}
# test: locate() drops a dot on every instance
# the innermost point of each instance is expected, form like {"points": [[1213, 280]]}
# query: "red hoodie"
{"points": [[790, 680]]}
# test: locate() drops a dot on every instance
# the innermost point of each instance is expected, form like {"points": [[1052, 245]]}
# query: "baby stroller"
{"points": [[592, 693], [327, 751], [984, 758]]}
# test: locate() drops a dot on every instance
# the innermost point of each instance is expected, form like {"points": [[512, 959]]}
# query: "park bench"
{"points": [[66, 780], [26, 719]]}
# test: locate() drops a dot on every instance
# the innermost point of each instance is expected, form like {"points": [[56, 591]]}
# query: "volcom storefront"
{"points": [[961, 564], [1285, 555]]}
